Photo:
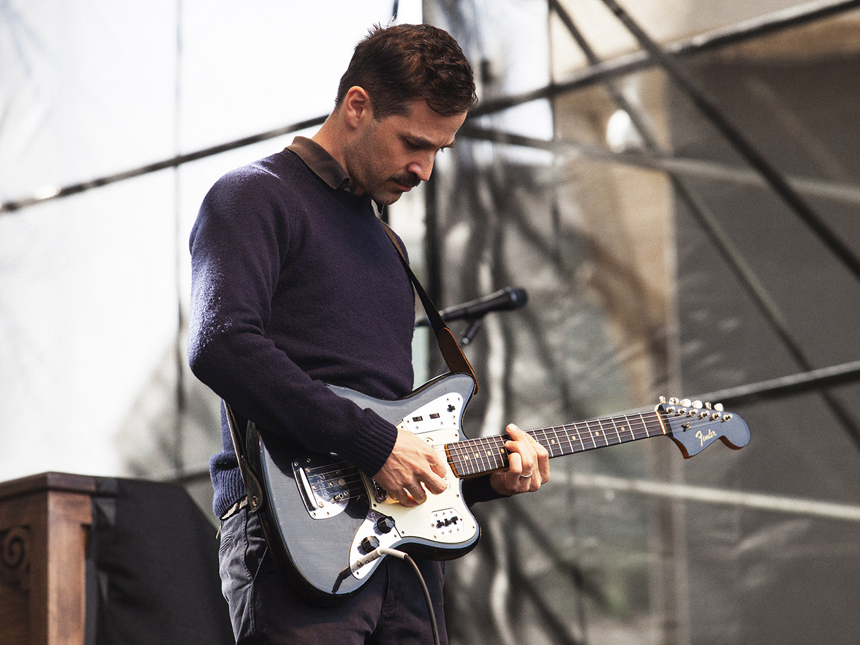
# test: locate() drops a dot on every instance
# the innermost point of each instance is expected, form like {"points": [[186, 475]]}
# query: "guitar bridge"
{"points": [[325, 486]]}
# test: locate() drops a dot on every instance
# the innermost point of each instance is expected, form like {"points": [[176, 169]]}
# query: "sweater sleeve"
{"points": [[238, 246]]}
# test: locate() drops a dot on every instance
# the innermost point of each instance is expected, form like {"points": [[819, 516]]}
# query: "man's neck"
{"points": [[330, 138]]}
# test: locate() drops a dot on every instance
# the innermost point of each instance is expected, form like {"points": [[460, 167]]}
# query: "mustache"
{"points": [[407, 179]]}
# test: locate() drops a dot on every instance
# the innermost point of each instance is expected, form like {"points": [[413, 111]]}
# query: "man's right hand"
{"points": [[411, 471]]}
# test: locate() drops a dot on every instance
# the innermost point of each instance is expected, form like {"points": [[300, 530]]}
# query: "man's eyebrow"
{"points": [[421, 142]]}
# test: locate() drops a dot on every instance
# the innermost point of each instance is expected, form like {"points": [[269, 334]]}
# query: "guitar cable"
{"points": [[379, 552]]}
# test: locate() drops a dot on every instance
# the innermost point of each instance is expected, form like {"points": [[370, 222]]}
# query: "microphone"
{"points": [[505, 299]]}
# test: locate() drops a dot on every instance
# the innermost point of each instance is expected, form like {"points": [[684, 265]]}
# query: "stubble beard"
{"points": [[368, 175]]}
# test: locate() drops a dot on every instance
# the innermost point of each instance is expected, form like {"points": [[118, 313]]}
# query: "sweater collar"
{"points": [[321, 163]]}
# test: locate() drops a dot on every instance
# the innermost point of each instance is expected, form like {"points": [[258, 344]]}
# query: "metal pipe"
{"points": [[715, 39], [787, 385], [743, 31], [701, 494], [50, 193], [809, 186], [740, 143]]}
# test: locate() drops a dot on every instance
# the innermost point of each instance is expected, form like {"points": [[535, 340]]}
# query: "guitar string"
{"points": [[494, 456], [596, 438], [556, 443], [463, 456], [347, 475]]}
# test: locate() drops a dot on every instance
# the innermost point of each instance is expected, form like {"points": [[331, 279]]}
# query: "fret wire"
{"points": [[566, 434], [467, 464], [457, 455], [542, 437], [569, 440], [486, 457], [606, 428], [489, 454], [492, 453], [601, 432], [615, 427], [550, 443], [500, 455], [582, 443], [590, 434], [451, 456], [598, 434], [579, 436], [474, 456], [639, 426], [494, 450], [477, 458], [558, 441], [645, 422], [625, 428], [468, 454], [589, 427], [539, 435]]}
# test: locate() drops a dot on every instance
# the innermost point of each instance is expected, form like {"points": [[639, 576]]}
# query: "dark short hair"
{"points": [[400, 64]]}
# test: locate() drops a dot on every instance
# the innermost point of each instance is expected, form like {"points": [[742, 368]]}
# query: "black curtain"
{"points": [[152, 568]]}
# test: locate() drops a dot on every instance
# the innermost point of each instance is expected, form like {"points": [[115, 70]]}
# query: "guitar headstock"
{"points": [[695, 425]]}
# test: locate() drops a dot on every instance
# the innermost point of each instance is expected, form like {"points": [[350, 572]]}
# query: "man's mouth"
{"points": [[405, 183]]}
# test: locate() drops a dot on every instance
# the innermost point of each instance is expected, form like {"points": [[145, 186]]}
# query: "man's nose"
{"points": [[421, 168]]}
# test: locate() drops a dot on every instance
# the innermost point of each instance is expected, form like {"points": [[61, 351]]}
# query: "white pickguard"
{"points": [[443, 519]]}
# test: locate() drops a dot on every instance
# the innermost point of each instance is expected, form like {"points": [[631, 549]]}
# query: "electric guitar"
{"points": [[323, 517]]}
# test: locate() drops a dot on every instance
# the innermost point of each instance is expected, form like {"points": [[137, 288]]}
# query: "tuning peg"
{"points": [[662, 399], [697, 405], [708, 405], [718, 407], [686, 403], [673, 401]]}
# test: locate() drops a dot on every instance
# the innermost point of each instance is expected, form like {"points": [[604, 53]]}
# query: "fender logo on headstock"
{"points": [[694, 425], [705, 437]]}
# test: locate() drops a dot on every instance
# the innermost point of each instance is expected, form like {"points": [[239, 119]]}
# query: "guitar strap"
{"points": [[454, 358], [253, 488]]}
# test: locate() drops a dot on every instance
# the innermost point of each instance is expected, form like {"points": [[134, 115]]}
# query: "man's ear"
{"points": [[356, 106]]}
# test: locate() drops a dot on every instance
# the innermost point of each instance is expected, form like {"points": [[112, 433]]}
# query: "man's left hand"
{"points": [[528, 465]]}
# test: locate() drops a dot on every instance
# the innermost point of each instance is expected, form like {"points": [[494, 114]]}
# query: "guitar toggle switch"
{"points": [[447, 522]]}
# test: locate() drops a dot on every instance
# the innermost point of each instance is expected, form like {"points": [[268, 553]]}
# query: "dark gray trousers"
{"points": [[389, 610]]}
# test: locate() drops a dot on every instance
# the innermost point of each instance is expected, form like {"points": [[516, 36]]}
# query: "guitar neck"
{"points": [[486, 454]]}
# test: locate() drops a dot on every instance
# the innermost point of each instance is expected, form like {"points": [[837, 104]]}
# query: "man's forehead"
{"points": [[424, 126]]}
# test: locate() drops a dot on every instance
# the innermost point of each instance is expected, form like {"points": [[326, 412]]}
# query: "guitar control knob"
{"points": [[369, 543], [385, 524]]}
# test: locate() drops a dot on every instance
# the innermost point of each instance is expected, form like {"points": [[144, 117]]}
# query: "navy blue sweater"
{"points": [[294, 285]]}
